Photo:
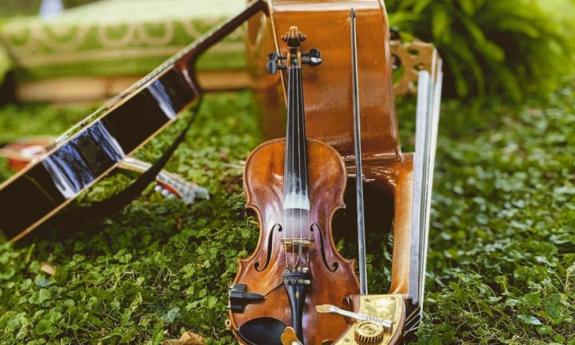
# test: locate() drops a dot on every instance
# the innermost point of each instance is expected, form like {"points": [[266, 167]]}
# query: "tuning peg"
{"points": [[274, 62], [272, 67], [313, 57]]}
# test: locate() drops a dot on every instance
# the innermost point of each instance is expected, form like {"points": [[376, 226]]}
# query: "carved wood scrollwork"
{"points": [[408, 60]]}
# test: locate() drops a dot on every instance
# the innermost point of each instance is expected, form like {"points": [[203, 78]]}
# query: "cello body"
{"points": [[328, 100], [388, 172], [397, 184]]}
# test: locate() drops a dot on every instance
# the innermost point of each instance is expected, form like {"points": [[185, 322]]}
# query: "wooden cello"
{"points": [[404, 179]]}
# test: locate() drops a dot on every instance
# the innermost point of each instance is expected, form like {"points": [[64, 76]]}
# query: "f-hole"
{"points": [[269, 248], [333, 266]]}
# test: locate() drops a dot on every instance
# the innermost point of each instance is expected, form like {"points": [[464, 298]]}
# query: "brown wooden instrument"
{"points": [[294, 185], [329, 105], [101, 141], [397, 185]]}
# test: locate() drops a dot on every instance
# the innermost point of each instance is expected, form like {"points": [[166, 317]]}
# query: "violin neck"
{"points": [[295, 172]]}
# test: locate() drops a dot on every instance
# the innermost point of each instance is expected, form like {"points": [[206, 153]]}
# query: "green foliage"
{"points": [[501, 242], [503, 228], [5, 64], [507, 48]]}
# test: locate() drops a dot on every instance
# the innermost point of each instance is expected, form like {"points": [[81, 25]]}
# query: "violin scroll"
{"points": [[293, 39]]}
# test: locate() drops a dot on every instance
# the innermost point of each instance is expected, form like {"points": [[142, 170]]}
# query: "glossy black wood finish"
{"points": [[106, 137], [90, 153]]}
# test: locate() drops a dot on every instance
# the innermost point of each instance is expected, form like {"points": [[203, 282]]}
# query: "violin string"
{"points": [[293, 161], [305, 227], [286, 168], [301, 146], [291, 156], [305, 218], [298, 159]]}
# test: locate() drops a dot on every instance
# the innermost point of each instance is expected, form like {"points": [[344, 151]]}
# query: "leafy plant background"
{"points": [[503, 48]]}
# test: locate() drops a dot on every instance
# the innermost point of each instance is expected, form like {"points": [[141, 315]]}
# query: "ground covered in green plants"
{"points": [[501, 264]]}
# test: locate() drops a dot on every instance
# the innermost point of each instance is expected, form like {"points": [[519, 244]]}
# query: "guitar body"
{"points": [[50, 183], [99, 143]]}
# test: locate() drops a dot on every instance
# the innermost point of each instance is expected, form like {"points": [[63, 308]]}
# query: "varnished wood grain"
{"points": [[263, 184], [328, 100]]}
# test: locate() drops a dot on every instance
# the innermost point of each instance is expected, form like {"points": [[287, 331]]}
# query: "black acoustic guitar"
{"points": [[100, 142]]}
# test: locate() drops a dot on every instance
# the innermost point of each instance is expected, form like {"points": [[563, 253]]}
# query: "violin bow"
{"points": [[427, 121], [358, 159]]}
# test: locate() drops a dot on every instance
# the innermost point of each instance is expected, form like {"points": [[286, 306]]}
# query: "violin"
{"points": [[294, 185]]}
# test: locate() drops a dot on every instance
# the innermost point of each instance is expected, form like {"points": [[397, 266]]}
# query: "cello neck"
{"points": [[295, 171]]}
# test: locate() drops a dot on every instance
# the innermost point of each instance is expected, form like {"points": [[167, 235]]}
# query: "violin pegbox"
{"points": [[293, 39]]}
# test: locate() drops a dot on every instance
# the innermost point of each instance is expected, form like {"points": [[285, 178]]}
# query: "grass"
{"points": [[501, 265]]}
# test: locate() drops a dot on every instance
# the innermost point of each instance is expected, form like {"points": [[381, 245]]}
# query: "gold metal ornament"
{"points": [[368, 333], [385, 307]]}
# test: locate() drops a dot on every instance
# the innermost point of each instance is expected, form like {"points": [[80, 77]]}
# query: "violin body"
{"points": [[263, 185]]}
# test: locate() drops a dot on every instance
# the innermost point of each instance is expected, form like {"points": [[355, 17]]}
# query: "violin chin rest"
{"points": [[262, 331]]}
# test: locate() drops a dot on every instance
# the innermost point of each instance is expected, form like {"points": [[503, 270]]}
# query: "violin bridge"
{"points": [[297, 242]]}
